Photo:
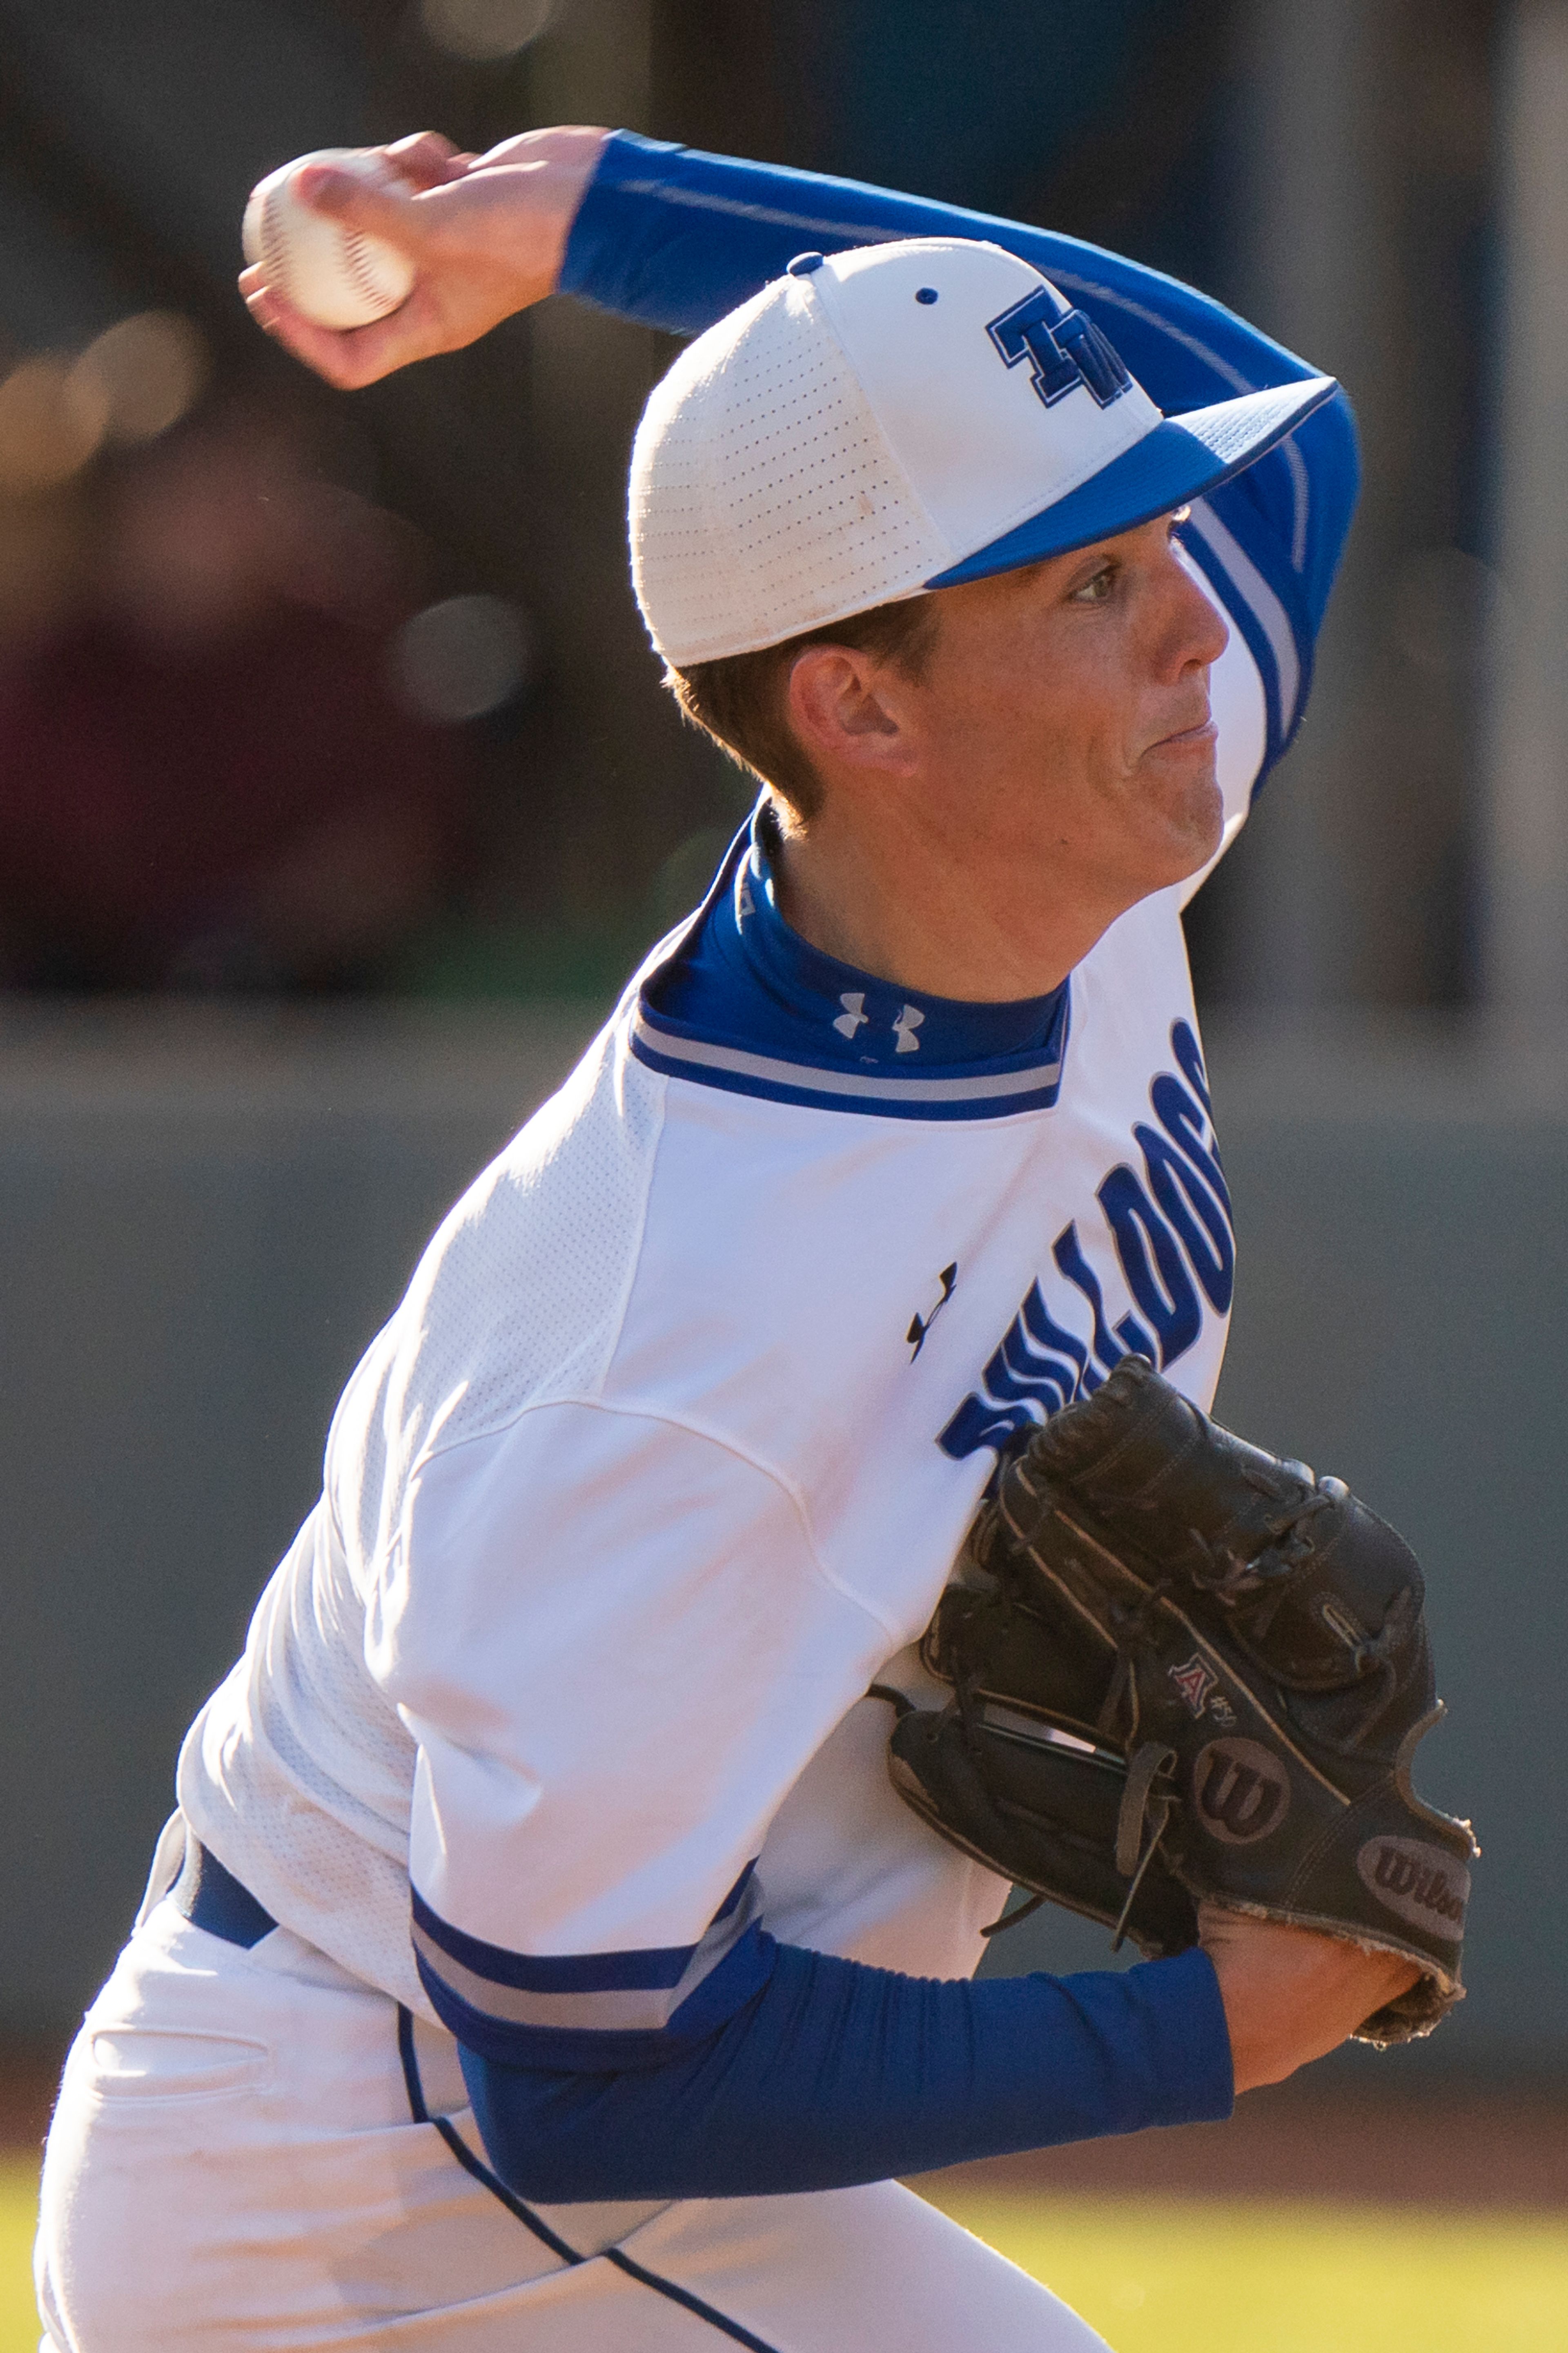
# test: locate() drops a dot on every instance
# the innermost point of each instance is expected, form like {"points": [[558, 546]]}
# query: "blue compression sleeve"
{"points": [[674, 238], [836, 2074]]}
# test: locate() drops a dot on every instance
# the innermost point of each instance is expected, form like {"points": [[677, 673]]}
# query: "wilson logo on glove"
{"points": [[1240, 1791], [1414, 1880]]}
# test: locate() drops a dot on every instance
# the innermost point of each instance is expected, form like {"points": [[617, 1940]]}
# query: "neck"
{"points": [[939, 913]]}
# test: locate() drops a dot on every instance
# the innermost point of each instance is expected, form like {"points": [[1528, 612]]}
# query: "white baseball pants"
{"points": [[233, 2164]]}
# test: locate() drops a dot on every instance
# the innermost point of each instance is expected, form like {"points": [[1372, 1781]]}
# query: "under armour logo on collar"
{"points": [[855, 1018]]}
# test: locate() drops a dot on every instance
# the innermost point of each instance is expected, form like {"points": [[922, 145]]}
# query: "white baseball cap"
{"points": [[900, 417]]}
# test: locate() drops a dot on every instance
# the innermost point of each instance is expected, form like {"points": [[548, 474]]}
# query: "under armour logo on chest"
{"points": [[915, 1337], [853, 1016], [1064, 348], [904, 1027]]}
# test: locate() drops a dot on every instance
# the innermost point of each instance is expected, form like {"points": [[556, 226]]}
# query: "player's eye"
{"points": [[1096, 588]]}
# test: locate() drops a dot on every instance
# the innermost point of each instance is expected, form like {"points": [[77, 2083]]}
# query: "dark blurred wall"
{"points": [[1331, 167], [1088, 116]]}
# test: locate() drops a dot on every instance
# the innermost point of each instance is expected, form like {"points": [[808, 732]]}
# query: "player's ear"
{"points": [[849, 708]]}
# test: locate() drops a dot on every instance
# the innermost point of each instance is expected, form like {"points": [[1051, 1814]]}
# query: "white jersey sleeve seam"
{"points": [[689, 1427], [634, 1254], [505, 1416]]}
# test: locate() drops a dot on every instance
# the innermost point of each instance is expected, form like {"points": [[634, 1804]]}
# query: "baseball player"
{"points": [[538, 1956]]}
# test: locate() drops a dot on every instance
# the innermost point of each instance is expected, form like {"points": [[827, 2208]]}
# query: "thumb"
{"points": [[384, 209]]}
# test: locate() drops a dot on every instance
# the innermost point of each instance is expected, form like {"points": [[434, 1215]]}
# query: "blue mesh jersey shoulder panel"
{"points": [[835, 2073], [675, 238]]}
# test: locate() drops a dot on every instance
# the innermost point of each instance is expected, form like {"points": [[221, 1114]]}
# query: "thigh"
{"points": [[233, 2164], [874, 2269]]}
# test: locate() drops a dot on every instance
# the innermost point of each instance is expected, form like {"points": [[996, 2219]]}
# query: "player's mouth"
{"points": [[1185, 744], [1203, 737]]}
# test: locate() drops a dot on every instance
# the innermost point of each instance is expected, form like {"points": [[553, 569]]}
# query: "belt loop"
{"points": [[212, 1898], [168, 1858]]}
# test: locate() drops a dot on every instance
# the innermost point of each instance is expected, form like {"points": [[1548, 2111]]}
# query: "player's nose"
{"points": [[1193, 631]]}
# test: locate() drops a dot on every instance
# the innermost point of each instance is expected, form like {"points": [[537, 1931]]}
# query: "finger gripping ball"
{"points": [[331, 273]]}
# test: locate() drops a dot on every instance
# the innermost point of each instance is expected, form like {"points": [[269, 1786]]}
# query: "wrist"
{"points": [[558, 166], [1291, 1995]]}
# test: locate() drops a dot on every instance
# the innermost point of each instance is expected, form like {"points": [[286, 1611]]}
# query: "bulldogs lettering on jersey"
{"points": [[1169, 1224]]}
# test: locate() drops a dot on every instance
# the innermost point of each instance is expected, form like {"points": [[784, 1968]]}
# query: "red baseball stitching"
{"points": [[358, 258]]}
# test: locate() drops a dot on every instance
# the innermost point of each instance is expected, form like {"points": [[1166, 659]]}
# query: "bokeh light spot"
{"points": [[50, 427], [484, 31], [461, 658], [144, 373]]}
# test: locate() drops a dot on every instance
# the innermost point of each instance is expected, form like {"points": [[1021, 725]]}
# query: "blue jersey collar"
{"points": [[744, 1003]]}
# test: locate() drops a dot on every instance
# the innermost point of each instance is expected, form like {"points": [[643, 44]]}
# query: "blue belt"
{"points": [[212, 1898]]}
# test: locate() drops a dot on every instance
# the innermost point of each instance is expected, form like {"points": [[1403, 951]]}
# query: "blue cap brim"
{"points": [[1181, 460]]}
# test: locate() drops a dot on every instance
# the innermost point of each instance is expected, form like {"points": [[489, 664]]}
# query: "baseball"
{"points": [[333, 275]]}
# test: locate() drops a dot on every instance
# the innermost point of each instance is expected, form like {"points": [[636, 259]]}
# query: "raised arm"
{"points": [[674, 238]]}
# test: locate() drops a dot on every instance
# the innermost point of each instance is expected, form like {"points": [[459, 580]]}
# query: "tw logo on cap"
{"points": [[1064, 350]]}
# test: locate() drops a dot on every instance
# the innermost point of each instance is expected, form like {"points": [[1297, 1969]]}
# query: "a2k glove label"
{"points": [[1419, 1882]]}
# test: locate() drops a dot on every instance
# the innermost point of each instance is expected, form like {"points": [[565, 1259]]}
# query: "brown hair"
{"points": [[739, 700]]}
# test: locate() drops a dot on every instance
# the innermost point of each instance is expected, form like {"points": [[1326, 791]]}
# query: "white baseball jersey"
{"points": [[667, 1455]]}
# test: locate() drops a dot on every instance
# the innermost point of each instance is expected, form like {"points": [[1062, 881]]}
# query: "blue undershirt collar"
{"points": [[744, 1003]]}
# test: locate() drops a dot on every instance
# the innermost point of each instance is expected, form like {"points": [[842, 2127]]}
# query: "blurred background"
{"points": [[338, 794], [304, 692]]}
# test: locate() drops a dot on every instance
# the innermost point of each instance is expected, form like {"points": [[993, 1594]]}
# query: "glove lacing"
{"points": [[1141, 1803]]}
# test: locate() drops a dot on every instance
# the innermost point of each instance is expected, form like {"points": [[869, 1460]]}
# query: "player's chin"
{"points": [[1186, 758], [1184, 812]]}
